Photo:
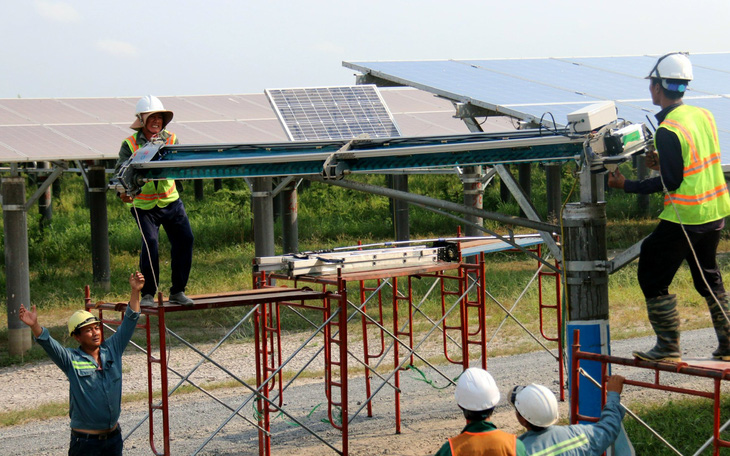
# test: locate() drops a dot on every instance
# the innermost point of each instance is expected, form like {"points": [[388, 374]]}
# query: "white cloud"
{"points": [[117, 48], [57, 11]]}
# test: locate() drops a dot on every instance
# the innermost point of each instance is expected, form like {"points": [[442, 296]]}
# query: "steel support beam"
{"points": [[439, 204]]}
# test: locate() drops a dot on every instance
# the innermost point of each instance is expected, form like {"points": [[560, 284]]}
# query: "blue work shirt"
{"points": [[578, 439], [95, 394]]}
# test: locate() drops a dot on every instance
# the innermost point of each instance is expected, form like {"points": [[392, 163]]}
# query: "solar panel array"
{"points": [[93, 128], [332, 112], [531, 89]]}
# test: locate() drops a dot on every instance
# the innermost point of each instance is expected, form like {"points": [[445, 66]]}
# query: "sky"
{"points": [[104, 48]]}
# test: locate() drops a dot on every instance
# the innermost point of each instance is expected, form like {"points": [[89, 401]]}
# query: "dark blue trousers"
{"points": [[663, 252], [113, 446], [174, 220]]}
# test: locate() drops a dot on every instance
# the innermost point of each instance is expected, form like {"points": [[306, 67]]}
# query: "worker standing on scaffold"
{"points": [[94, 372], [696, 203], [158, 204], [477, 395]]}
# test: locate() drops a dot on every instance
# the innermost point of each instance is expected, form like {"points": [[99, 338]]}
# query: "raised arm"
{"points": [[136, 281], [30, 318]]}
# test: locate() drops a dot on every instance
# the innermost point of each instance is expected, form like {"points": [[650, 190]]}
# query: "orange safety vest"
{"points": [[492, 443], [702, 196], [154, 193]]}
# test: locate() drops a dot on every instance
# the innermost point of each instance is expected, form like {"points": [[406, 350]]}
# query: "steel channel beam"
{"points": [[446, 205]]}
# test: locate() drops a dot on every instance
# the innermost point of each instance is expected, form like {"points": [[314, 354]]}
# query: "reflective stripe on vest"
{"points": [[154, 193], [564, 446], [492, 443], [702, 196]]}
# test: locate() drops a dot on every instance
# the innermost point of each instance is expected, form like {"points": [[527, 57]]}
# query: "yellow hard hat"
{"points": [[79, 319]]}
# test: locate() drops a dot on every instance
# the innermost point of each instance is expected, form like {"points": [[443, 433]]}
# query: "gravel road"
{"points": [[429, 415]]}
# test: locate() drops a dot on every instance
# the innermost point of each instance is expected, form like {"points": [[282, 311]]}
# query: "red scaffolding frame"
{"points": [[711, 370], [463, 324]]}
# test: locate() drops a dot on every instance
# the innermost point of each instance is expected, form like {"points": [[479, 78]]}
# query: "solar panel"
{"points": [[344, 112], [530, 89]]}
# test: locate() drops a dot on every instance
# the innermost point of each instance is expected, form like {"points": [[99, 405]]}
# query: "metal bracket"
{"points": [[586, 266], [15, 207], [260, 194], [334, 169], [60, 167]]}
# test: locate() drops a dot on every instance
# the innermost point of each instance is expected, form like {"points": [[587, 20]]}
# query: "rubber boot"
{"points": [[720, 310], [664, 318]]}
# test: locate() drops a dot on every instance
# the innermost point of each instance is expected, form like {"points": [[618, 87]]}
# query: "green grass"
{"points": [[685, 423]]}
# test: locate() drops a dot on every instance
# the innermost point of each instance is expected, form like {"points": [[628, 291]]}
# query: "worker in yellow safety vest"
{"points": [[477, 395], [158, 204], [696, 202]]}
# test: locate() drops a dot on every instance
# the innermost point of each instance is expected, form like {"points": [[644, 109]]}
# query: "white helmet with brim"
{"points": [[146, 106]]}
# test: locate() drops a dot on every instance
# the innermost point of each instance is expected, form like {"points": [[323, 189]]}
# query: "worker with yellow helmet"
{"points": [[94, 372]]}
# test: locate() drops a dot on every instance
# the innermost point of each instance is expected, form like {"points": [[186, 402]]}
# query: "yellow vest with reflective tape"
{"points": [[154, 193], [703, 195]]}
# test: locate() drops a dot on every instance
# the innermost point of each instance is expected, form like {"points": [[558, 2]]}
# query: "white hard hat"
{"points": [[675, 65], [536, 404], [476, 390], [149, 105]]}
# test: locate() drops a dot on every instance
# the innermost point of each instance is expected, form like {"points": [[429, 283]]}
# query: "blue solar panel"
{"points": [[332, 112], [530, 88]]}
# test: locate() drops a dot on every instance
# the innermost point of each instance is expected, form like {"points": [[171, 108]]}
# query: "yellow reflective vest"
{"points": [[155, 193], [702, 196]]}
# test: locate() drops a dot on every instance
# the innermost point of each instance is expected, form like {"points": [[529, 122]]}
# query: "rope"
{"points": [[425, 379], [258, 416], [149, 255]]}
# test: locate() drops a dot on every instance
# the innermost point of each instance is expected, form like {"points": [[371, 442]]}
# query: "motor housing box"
{"points": [[592, 116]]}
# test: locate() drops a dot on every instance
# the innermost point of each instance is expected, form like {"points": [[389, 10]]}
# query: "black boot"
{"points": [[719, 310], [664, 318]]}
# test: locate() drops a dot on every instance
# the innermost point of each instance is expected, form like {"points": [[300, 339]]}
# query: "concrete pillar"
{"points": [[100, 258], [45, 202], [401, 218], [586, 279], [473, 197], [17, 273], [262, 206], [290, 218], [217, 184]]}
